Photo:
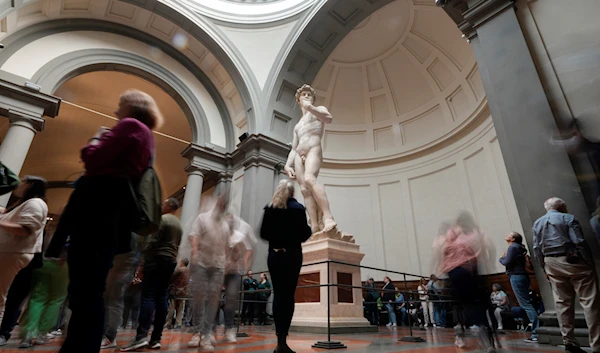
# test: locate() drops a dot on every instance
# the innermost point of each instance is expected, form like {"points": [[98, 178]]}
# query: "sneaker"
{"points": [[500, 328], [42, 339], [434, 325], [389, 324], [26, 343], [213, 339], [394, 325], [205, 345], [3, 341], [195, 341], [57, 333], [155, 345], [135, 344], [459, 342], [231, 335], [532, 340], [107, 344]]}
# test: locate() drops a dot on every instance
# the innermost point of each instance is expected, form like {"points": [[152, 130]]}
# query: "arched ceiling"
{"points": [[55, 153], [249, 11], [401, 81], [158, 20]]}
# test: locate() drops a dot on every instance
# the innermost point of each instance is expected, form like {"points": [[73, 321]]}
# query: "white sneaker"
{"points": [[205, 345], [500, 328], [434, 325], [195, 341], [107, 344], [213, 339], [50, 336], [3, 341], [394, 325], [389, 324], [231, 335], [57, 333], [459, 342]]}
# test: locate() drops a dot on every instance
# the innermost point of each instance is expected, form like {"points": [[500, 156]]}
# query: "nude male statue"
{"points": [[305, 158]]}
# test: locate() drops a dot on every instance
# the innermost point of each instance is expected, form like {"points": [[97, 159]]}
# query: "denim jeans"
{"points": [[520, 285], [439, 314], [118, 280], [206, 289], [155, 286], [391, 313]]}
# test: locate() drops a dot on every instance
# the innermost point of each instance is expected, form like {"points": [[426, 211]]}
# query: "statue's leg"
{"points": [[312, 165], [309, 201]]}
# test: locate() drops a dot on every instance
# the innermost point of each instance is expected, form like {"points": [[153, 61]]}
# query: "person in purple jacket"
{"points": [[100, 213]]}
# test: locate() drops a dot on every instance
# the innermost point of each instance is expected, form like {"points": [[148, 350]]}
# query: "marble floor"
{"points": [[262, 340]]}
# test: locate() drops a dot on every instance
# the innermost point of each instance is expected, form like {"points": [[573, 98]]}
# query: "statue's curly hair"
{"points": [[305, 88]]}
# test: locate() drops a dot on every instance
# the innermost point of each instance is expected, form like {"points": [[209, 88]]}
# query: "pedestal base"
{"points": [[337, 304]]}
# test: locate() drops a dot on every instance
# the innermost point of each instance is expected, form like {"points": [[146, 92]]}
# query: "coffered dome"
{"points": [[402, 81]]}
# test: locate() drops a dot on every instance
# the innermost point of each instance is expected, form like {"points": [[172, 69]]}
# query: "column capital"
{"points": [[34, 123], [469, 15], [192, 169], [260, 150], [205, 159]]}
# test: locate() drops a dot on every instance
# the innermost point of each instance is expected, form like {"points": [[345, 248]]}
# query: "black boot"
{"points": [[282, 346]]}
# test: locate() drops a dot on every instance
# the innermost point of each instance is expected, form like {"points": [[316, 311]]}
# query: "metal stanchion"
{"points": [[329, 344], [241, 334], [410, 338]]}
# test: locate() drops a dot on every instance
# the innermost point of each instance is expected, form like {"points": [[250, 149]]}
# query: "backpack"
{"points": [[528, 265], [8, 180], [147, 199]]}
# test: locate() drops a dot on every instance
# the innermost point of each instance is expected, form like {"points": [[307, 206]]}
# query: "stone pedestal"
{"points": [[346, 304]]}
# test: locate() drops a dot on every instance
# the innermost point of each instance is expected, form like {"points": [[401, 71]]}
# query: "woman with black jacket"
{"points": [[388, 297], [285, 227]]}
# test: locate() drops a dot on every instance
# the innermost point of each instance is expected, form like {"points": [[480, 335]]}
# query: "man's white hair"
{"points": [[554, 203]]}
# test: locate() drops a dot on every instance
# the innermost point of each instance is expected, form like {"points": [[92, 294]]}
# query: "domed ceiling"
{"points": [[402, 81], [249, 11]]}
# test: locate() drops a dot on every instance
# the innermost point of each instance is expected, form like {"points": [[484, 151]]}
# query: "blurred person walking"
{"points": [[160, 259], [209, 238], [178, 289], [561, 250], [241, 244], [285, 227], [100, 214], [21, 231], [118, 280]]}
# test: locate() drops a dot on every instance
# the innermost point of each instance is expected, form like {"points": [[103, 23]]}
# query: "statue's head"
{"points": [[305, 91]]}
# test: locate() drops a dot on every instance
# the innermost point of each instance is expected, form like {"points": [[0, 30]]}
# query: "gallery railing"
{"points": [[410, 297]]}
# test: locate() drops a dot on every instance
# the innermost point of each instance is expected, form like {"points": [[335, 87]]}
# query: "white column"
{"points": [[15, 146], [190, 208]]}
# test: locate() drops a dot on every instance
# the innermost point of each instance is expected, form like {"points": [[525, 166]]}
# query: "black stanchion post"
{"points": [[329, 344], [410, 338], [241, 334]]}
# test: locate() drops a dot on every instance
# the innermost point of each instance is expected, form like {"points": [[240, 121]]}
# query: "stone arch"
{"points": [[21, 38], [325, 30], [61, 69]]}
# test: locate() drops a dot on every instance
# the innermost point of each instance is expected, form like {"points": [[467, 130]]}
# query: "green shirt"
{"points": [[166, 241]]}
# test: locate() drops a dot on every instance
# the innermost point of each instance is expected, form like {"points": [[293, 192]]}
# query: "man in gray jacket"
{"points": [[561, 250]]}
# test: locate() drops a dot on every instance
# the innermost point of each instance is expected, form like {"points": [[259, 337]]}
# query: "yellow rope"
{"points": [[113, 118]]}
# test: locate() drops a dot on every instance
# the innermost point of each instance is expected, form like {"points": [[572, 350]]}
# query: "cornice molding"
{"points": [[27, 107], [256, 150]]}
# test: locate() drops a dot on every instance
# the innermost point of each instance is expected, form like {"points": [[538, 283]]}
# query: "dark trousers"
{"points": [[262, 310], [101, 219], [18, 292], [133, 301], [467, 288], [155, 297], [285, 271], [372, 312], [248, 308]]}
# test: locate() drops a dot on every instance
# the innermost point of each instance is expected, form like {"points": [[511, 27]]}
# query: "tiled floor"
{"points": [[262, 340]]}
